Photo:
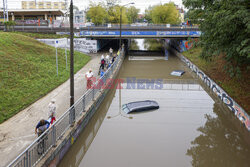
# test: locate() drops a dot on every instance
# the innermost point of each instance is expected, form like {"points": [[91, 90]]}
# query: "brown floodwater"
{"points": [[191, 128]]}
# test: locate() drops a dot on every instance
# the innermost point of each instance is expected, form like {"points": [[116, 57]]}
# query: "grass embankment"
{"points": [[41, 35], [28, 71], [237, 88]]}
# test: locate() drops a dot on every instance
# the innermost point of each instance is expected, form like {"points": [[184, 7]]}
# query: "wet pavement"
{"points": [[18, 132], [189, 129]]}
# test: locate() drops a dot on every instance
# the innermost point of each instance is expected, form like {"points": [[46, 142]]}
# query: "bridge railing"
{"points": [[62, 27], [42, 145]]}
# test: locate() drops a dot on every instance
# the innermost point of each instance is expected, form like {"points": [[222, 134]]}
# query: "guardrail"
{"points": [[63, 28], [62, 24], [38, 148]]}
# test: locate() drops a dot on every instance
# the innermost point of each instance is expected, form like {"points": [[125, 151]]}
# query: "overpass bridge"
{"points": [[114, 32]]}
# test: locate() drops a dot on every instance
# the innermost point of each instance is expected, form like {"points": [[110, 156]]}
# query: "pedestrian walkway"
{"points": [[19, 131]]}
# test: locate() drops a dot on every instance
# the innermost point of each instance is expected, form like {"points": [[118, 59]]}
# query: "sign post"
{"points": [[56, 59], [66, 56]]}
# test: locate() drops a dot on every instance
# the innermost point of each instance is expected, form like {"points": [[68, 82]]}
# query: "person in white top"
{"points": [[107, 60], [89, 76], [110, 51], [102, 57], [52, 111]]}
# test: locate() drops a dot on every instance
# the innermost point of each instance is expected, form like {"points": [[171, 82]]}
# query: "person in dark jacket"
{"points": [[41, 127]]}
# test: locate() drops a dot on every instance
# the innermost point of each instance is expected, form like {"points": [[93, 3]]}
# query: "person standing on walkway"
{"points": [[41, 127], [102, 57], [107, 60], [118, 52], [89, 76], [110, 52], [102, 63], [102, 72], [52, 111], [113, 58]]}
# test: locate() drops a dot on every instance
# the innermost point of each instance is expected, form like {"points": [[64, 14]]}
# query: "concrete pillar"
{"points": [[46, 16]]}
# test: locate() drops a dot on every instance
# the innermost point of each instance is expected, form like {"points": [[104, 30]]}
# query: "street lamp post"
{"points": [[120, 91], [4, 10], [72, 110], [120, 43], [71, 55], [121, 21]]}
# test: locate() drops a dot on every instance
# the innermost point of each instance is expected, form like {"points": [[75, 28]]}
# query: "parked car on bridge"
{"points": [[89, 24]]}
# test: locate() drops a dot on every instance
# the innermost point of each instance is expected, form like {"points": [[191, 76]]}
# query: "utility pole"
{"points": [[121, 21], [66, 5], [71, 55], [4, 10], [120, 27]]}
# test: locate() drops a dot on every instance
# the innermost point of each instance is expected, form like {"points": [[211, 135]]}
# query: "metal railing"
{"points": [[39, 148], [56, 24], [64, 28]]}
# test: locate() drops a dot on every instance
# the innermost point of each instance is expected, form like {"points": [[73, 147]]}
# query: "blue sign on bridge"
{"points": [[140, 33]]}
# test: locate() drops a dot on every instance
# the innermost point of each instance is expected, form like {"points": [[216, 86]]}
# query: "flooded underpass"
{"points": [[191, 128]]}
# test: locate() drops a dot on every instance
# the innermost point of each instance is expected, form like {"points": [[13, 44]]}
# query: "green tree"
{"points": [[97, 14], [225, 26], [132, 14], [134, 45], [165, 14], [148, 14], [114, 14]]}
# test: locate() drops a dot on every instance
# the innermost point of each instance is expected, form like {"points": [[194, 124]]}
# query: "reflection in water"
{"points": [[134, 45], [153, 44], [146, 44], [220, 144]]}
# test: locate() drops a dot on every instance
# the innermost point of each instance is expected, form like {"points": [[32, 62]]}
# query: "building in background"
{"points": [[33, 14], [36, 11], [44, 5], [79, 16]]}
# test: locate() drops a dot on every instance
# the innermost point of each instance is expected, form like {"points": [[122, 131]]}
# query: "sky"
{"points": [[140, 4], [83, 4]]}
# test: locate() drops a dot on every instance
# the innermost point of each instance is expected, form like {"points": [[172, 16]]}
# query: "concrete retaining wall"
{"points": [[80, 44], [56, 154], [239, 112]]}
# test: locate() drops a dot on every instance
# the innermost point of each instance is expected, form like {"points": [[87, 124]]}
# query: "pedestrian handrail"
{"points": [[40, 146]]}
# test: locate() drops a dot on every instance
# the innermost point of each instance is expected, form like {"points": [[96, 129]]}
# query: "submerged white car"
{"points": [[140, 106]]}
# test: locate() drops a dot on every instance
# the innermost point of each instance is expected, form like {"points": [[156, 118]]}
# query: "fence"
{"points": [[38, 149], [63, 28]]}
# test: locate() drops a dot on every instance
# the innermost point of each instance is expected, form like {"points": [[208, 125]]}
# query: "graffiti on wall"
{"points": [[84, 45], [221, 94], [187, 44]]}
